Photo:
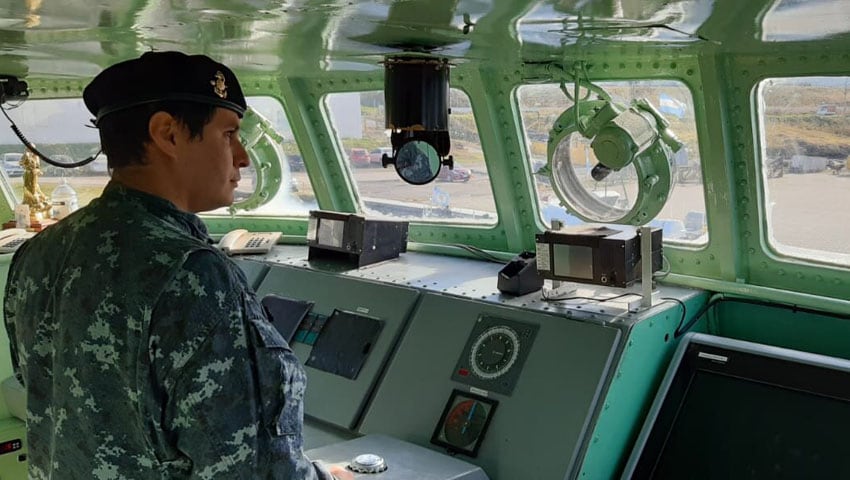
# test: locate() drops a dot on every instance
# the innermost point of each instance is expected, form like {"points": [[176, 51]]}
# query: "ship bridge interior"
{"points": [[442, 347]]}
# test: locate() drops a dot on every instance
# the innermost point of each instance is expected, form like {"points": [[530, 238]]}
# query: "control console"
{"points": [[381, 457]]}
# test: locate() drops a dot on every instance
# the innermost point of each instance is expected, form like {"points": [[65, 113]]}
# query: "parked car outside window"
{"points": [[457, 174], [376, 155], [12, 164], [296, 163], [359, 157]]}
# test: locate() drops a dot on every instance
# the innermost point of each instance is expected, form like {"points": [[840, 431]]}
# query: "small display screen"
{"points": [[286, 314], [331, 232], [344, 343], [572, 261], [10, 446], [464, 422]]}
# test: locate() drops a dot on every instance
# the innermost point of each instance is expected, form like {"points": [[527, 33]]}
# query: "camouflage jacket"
{"points": [[145, 354]]}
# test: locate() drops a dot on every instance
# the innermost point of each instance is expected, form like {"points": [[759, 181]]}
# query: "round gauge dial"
{"points": [[494, 352], [465, 422]]}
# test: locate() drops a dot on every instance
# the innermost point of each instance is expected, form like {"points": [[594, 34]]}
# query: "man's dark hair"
{"points": [[123, 134]]}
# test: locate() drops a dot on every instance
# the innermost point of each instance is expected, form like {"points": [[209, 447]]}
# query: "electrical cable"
{"points": [[663, 273], [475, 251], [682, 329], [593, 299], [478, 252], [32, 147], [684, 313]]}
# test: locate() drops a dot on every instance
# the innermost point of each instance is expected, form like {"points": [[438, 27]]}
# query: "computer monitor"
{"points": [[286, 314], [733, 409]]}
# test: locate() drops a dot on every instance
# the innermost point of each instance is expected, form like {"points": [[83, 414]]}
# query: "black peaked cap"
{"points": [[159, 76]]}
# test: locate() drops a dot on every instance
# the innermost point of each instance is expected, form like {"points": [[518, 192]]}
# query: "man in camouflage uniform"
{"points": [[143, 351]]}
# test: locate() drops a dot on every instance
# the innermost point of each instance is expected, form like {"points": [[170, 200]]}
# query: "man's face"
{"points": [[209, 165]]}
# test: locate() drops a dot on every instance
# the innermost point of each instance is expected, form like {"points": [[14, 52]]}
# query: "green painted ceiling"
{"points": [[74, 39]]}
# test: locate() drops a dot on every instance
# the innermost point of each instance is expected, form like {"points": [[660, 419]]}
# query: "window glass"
{"points": [[295, 197], [62, 129], [797, 20], [683, 218], [805, 147], [461, 195]]}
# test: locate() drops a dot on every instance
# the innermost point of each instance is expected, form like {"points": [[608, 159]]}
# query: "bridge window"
{"points": [[804, 166], [683, 219], [294, 196], [61, 129], [462, 195], [796, 20]]}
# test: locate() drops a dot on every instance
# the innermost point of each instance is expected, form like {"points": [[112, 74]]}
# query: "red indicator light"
{"points": [[10, 446], [463, 372]]}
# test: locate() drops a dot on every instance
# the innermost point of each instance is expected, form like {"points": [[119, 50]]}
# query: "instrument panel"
{"points": [[464, 422], [494, 354]]}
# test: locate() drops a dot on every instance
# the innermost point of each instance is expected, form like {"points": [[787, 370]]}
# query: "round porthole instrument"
{"points": [[494, 352], [611, 163], [417, 163], [416, 93], [465, 422]]}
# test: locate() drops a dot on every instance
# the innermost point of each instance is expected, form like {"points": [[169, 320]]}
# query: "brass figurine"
{"points": [[33, 196]]}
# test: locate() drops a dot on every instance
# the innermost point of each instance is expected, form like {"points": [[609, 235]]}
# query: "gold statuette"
{"points": [[33, 196]]}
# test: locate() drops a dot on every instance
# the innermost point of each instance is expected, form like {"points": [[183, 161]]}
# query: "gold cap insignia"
{"points": [[218, 85]]}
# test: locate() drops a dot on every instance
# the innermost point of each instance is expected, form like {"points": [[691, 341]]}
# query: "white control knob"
{"points": [[368, 463]]}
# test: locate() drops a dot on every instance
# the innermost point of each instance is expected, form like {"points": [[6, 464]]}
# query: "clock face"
{"points": [[494, 352]]}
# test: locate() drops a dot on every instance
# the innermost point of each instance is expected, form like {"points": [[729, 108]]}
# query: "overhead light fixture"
{"points": [[416, 95]]}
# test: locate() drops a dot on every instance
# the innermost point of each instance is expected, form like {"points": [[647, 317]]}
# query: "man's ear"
{"points": [[164, 130]]}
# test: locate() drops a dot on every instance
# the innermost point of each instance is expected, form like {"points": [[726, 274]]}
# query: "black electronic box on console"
{"points": [[354, 239], [604, 255]]}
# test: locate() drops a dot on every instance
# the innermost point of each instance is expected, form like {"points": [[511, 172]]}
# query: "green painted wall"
{"points": [[647, 351], [782, 327], [646, 356]]}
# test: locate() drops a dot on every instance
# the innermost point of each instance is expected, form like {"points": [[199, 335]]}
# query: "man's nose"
{"points": [[240, 155]]}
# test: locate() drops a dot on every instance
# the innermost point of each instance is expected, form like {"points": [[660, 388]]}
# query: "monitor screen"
{"points": [[331, 232], [286, 314], [574, 261], [732, 409], [344, 343]]}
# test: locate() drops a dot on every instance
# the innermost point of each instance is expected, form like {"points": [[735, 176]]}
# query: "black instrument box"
{"points": [[604, 255], [353, 239]]}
